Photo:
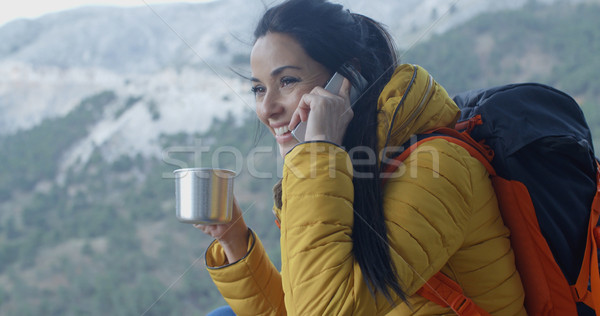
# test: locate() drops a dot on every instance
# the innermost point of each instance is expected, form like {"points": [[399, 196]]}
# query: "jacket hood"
{"points": [[412, 103]]}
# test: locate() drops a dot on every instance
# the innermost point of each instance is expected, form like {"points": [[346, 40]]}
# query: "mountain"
{"points": [[173, 55], [147, 39], [143, 39], [86, 46], [99, 105]]}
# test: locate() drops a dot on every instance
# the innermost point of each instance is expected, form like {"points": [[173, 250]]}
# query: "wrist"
{"points": [[235, 245], [235, 236]]}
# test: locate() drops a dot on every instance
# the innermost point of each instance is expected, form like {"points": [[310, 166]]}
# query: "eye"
{"points": [[258, 90], [285, 81]]}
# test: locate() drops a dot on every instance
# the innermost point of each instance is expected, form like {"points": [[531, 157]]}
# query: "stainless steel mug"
{"points": [[204, 195]]}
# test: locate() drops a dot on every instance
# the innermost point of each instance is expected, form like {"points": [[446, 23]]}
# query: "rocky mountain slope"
{"points": [[48, 65], [175, 60], [98, 105]]}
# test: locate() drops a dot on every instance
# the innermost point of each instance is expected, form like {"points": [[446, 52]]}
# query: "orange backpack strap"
{"points": [[589, 273], [463, 139], [443, 291]]}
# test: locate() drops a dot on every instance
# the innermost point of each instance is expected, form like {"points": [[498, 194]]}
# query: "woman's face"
{"points": [[281, 73]]}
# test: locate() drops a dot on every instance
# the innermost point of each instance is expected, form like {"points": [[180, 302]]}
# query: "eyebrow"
{"points": [[277, 71]]}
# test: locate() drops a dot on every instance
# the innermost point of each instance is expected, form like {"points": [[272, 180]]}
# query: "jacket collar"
{"points": [[412, 103]]}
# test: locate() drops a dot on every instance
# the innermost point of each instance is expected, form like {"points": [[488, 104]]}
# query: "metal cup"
{"points": [[204, 195]]}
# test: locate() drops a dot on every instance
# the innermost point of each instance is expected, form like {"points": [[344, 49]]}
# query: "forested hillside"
{"points": [[102, 239], [557, 45]]}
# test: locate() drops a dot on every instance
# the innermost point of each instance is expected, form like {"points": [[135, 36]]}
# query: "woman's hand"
{"points": [[329, 114], [233, 236]]}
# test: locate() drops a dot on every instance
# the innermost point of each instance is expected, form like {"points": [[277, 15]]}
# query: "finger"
{"points": [[345, 90], [298, 116], [294, 121], [203, 228], [301, 112], [320, 91]]}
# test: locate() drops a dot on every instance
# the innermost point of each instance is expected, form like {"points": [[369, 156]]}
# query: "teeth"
{"points": [[281, 130]]}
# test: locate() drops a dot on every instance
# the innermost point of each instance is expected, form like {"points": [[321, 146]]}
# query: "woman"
{"points": [[349, 244]]}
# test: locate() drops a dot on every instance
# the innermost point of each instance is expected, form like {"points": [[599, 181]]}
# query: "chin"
{"points": [[286, 146], [284, 149]]}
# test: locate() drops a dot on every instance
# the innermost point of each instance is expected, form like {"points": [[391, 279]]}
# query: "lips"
{"points": [[282, 133]]}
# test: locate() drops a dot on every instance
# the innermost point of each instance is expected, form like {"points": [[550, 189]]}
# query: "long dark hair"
{"points": [[333, 36]]}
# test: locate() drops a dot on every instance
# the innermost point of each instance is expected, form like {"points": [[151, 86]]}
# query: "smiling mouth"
{"points": [[281, 130]]}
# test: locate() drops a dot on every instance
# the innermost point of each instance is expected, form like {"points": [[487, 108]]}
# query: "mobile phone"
{"points": [[333, 85]]}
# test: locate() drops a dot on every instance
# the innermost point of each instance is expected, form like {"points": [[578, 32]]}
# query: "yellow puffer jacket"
{"points": [[441, 214]]}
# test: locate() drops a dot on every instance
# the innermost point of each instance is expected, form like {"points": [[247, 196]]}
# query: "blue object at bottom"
{"points": [[222, 311]]}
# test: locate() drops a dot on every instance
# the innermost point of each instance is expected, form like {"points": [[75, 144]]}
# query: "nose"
{"points": [[270, 105]]}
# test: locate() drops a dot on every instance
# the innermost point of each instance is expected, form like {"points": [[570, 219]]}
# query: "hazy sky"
{"points": [[10, 10]]}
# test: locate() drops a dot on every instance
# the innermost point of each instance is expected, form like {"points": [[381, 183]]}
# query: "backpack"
{"points": [[537, 148]]}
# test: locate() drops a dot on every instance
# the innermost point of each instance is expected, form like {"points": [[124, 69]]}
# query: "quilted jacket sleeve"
{"points": [[426, 207], [252, 285]]}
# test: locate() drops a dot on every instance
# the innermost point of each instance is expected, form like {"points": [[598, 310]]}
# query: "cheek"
{"points": [[262, 112], [293, 100], [261, 115], [291, 106], [281, 108]]}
